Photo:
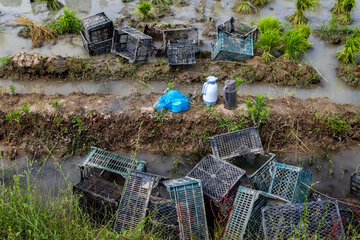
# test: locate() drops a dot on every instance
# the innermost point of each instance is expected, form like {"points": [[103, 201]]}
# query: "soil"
{"points": [[109, 67], [350, 74], [79, 121]]}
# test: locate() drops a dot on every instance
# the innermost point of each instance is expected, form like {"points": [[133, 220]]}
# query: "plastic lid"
{"points": [[211, 79]]}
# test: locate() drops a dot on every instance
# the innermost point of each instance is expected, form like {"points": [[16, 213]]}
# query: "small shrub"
{"points": [[144, 9], [258, 110], [14, 116], [351, 49], [66, 23]]}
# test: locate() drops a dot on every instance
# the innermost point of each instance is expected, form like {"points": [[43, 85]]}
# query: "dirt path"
{"points": [[279, 72], [77, 121]]}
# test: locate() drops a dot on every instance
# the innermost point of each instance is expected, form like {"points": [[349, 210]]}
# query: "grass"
{"points": [[335, 33], [66, 23], [296, 41], [38, 33], [144, 9], [298, 16], [350, 51]]}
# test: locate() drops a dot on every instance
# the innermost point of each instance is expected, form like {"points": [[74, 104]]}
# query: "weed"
{"points": [[144, 9], [238, 82], [66, 23], [258, 110], [14, 116], [350, 50], [160, 116], [26, 109], [208, 108], [12, 89], [335, 122], [231, 124], [3, 60], [170, 85], [55, 104]]}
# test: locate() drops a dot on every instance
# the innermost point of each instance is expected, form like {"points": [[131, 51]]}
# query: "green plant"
{"points": [[55, 104], [268, 42], [257, 109], [160, 116], [298, 16], [259, 3], [12, 89], [337, 7], [66, 23], [295, 42], [3, 60], [26, 109], [270, 23], [243, 6], [14, 116], [170, 85], [52, 4], [231, 124], [144, 9], [238, 82], [350, 50]]}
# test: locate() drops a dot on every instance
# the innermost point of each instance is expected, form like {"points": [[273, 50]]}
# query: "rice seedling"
{"points": [[295, 43], [269, 23], [298, 16], [66, 23], [337, 7], [38, 33], [346, 8], [52, 4], [144, 9], [259, 3], [351, 49], [245, 7], [305, 29], [268, 42]]}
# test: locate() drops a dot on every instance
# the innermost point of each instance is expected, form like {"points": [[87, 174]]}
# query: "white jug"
{"points": [[210, 91]]}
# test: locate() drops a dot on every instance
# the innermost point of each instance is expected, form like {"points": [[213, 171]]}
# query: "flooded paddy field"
{"points": [[49, 120]]}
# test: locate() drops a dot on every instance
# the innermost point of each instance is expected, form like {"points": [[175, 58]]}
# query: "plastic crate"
{"points": [[235, 28], [188, 196], [109, 161], [245, 218], [162, 220], [131, 44], [96, 48], [289, 182], [185, 36], [234, 144], [313, 220], [355, 182], [99, 198], [135, 199], [252, 163], [231, 48], [181, 53], [219, 179], [97, 28]]}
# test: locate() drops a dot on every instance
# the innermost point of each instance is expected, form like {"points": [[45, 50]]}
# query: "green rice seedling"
{"points": [[144, 9], [244, 7], [269, 23], [301, 6], [351, 49], [344, 18], [305, 29], [295, 43], [346, 8], [268, 42], [259, 3], [66, 23], [337, 7]]}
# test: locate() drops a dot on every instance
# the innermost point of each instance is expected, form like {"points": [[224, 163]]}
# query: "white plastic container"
{"points": [[210, 91]]}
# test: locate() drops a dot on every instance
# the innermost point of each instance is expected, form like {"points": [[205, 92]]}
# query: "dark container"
{"points": [[229, 94]]}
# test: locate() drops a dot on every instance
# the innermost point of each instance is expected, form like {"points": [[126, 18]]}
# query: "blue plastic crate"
{"points": [[110, 161], [233, 27], [313, 220], [188, 197], [245, 218], [232, 48], [135, 200], [289, 182]]}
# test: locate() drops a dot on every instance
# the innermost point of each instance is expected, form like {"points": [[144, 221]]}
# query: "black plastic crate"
{"points": [[355, 182], [313, 220], [237, 29], [131, 44], [99, 198], [135, 199], [97, 28], [181, 53], [162, 218], [238, 143], [96, 48], [252, 163], [181, 36], [219, 179]]}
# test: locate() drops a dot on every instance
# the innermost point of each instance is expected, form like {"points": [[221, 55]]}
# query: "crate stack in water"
{"points": [[355, 182], [235, 41], [97, 34]]}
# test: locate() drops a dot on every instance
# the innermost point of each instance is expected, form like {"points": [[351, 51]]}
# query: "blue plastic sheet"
{"points": [[174, 101]]}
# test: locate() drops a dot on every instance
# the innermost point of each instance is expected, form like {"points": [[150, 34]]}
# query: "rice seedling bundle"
{"points": [[351, 49]]}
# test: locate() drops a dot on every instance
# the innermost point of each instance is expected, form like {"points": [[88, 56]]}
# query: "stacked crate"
{"points": [[97, 34]]}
